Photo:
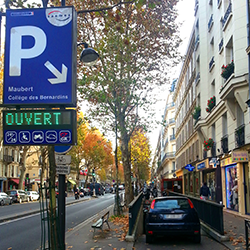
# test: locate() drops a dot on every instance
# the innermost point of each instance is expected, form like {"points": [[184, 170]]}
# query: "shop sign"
{"points": [[214, 162], [227, 161], [189, 167], [240, 156], [201, 165]]}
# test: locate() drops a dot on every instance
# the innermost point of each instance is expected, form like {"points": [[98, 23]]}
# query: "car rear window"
{"points": [[172, 204]]}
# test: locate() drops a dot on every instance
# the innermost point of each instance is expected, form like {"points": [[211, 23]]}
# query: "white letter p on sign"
{"points": [[17, 53]]}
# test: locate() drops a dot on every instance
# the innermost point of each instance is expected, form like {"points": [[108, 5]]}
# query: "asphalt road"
{"points": [[25, 232]]}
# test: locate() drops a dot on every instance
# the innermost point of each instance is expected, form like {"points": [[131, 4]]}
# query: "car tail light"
{"points": [[196, 232], [190, 203], [150, 232], [152, 204]]}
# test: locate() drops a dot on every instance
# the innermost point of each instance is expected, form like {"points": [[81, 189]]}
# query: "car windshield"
{"points": [[172, 204]]}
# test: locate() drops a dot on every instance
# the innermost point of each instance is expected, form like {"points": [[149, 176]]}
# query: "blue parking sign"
{"points": [[40, 57]]}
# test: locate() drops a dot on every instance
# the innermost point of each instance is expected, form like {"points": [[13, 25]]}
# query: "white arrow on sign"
{"points": [[60, 77]]}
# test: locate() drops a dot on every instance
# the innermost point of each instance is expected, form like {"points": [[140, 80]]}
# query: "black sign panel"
{"points": [[39, 127]]}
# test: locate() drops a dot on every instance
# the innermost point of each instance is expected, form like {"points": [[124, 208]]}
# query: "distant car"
{"points": [[120, 187], [81, 192], [34, 196], [5, 199], [18, 195], [172, 215]]}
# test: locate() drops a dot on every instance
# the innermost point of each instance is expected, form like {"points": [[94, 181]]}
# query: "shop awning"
{"points": [[16, 180], [71, 181]]}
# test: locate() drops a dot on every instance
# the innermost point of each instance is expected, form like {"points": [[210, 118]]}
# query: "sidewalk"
{"points": [[234, 227], [81, 237]]}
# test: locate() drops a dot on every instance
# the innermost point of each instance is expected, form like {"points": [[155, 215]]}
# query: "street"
{"points": [[25, 233]]}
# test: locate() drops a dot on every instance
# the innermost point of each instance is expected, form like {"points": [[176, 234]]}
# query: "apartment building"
{"points": [[166, 146], [212, 117]]}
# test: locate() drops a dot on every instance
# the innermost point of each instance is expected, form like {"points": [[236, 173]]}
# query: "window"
{"points": [[240, 115], [224, 124]]}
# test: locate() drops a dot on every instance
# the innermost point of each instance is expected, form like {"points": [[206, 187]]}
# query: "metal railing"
{"points": [[210, 213], [229, 10], [211, 63], [224, 143], [247, 226], [197, 40], [210, 22], [221, 44], [197, 77], [240, 136], [172, 137], [8, 158], [134, 208]]}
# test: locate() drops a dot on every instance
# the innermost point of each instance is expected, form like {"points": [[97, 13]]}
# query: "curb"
{"points": [[215, 235], [13, 217]]}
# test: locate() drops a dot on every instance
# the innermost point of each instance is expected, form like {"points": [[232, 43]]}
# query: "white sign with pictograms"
{"points": [[63, 159], [62, 169]]}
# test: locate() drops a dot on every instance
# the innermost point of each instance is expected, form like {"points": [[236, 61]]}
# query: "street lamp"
{"points": [[88, 56]]}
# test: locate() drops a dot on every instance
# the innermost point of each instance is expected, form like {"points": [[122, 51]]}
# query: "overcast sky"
{"points": [[186, 17]]}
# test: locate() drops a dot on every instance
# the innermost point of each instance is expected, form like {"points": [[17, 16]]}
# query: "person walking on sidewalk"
{"points": [[204, 192]]}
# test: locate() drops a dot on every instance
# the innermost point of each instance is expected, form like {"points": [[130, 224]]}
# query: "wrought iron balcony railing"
{"points": [[210, 22], [197, 78], [213, 150], [204, 154], [224, 144], [228, 12], [197, 41], [172, 137], [168, 155], [221, 45], [240, 136], [211, 63]]}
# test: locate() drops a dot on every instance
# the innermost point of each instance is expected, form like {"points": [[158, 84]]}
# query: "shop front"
{"points": [[191, 181], [235, 178], [210, 173]]}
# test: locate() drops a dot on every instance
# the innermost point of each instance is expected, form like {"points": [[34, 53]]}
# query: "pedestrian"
{"points": [[204, 192]]}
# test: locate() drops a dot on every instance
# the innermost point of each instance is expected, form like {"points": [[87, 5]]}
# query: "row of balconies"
{"points": [[239, 142]]}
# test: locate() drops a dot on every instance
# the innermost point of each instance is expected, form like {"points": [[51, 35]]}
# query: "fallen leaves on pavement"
{"points": [[122, 221]]}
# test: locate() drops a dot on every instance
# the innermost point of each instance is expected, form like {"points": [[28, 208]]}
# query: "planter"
{"points": [[210, 104], [227, 70], [208, 144]]}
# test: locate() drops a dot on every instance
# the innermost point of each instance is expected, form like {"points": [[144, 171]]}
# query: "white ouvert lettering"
{"points": [[17, 53]]}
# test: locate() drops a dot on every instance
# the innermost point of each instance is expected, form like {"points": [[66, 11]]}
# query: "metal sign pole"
{"points": [[61, 208]]}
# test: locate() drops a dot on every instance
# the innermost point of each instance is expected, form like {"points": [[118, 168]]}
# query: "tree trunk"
{"points": [[52, 204], [126, 164], [23, 167]]}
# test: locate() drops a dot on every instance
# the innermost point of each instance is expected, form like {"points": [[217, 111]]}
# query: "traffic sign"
{"points": [[40, 56], [62, 149], [35, 127], [62, 169], [62, 159]]}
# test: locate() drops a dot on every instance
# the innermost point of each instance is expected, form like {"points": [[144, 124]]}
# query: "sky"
{"points": [[186, 17]]}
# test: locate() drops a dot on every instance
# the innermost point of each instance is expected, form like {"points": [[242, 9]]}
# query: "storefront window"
{"points": [[191, 183], [210, 178], [247, 191], [232, 187], [197, 183], [186, 183]]}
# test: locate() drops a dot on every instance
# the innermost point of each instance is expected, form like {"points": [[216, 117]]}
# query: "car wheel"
{"points": [[149, 238], [20, 200], [1, 202], [197, 238]]}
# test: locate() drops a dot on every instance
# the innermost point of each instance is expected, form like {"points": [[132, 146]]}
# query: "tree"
{"points": [[136, 41], [77, 151], [140, 156], [97, 151]]}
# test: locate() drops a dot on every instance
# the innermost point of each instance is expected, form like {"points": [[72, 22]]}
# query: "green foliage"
{"points": [[197, 112], [227, 70]]}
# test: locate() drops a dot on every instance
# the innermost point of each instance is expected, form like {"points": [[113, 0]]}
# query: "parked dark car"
{"points": [[172, 216], [18, 195]]}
